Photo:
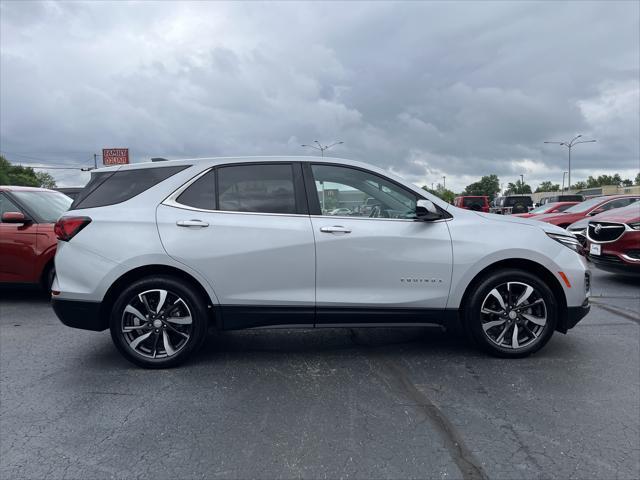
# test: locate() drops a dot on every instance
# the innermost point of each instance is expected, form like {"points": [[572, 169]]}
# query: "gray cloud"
{"points": [[423, 89]]}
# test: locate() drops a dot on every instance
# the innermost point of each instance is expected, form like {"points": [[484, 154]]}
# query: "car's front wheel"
{"points": [[511, 313], [158, 322]]}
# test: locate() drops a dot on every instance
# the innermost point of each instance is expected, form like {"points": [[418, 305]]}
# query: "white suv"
{"points": [[159, 252]]}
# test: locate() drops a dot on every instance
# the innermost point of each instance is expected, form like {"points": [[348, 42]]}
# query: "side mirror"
{"points": [[14, 217], [426, 211]]}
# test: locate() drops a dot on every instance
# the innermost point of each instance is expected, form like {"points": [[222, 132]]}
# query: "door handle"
{"points": [[335, 229], [192, 223]]}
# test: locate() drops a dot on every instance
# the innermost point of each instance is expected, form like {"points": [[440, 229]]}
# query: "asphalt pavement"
{"points": [[336, 403]]}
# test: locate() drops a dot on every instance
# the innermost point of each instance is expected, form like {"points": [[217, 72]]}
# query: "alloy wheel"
{"points": [[156, 324], [514, 315]]}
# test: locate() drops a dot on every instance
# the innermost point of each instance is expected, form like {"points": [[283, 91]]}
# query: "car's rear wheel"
{"points": [[511, 313], [158, 322]]}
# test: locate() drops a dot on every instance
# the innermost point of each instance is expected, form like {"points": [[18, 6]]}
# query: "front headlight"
{"points": [[635, 226], [567, 240]]}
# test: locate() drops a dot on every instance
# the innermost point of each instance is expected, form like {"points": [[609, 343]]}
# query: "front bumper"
{"points": [[573, 316], [79, 314]]}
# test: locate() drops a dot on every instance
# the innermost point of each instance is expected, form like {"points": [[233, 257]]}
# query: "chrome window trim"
{"points": [[413, 220]]}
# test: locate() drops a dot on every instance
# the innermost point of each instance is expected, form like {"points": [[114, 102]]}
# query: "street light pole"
{"points": [[321, 147], [563, 174], [570, 145], [444, 182], [521, 183]]}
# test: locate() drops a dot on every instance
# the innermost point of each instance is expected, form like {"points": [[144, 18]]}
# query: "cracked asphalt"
{"points": [[358, 403]]}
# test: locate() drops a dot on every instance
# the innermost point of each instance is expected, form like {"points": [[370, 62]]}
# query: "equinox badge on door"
{"points": [[409, 280]]}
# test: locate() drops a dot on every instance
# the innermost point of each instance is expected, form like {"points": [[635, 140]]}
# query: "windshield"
{"points": [[48, 206], [542, 208], [584, 206]]}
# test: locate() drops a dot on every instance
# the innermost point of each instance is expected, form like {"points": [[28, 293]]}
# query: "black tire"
{"points": [[190, 305], [534, 336], [47, 278]]}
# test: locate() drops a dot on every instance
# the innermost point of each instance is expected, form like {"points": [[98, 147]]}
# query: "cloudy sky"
{"points": [[422, 89]]}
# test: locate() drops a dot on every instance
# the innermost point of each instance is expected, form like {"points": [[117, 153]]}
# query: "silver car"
{"points": [[161, 252]]}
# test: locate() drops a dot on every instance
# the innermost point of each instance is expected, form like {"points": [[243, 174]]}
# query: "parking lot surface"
{"points": [[352, 403]]}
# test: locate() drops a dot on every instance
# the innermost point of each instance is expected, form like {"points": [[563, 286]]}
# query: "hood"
{"points": [[531, 222], [546, 216], [580, 224]]}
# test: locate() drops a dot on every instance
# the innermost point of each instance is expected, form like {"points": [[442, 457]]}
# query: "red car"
{"points": [[27, 240], [614, 240], [477, 203], [555, 207], [588, 208]]}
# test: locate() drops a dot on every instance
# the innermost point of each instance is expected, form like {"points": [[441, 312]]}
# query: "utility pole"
{"points": [[444, 182], [563, 174], [95, 160], [570, 145], [321, 147], [521, 183]]}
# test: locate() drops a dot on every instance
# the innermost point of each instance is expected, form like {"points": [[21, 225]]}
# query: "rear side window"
{"points": [[109, 188], [265, 188], [201, 193], [474, 201]]}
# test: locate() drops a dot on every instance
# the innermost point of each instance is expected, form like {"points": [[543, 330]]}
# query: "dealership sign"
{"points": [[115, 156]]}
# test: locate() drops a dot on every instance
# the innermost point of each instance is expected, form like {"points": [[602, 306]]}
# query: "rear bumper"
{"points": [[79, 314], [573, 316]]}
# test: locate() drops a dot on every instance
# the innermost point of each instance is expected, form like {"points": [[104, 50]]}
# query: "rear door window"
{"points": [[262, 188], [110, 188], [201, 193]]}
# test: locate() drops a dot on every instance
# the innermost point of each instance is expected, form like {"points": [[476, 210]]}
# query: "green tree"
{"points": [[601, 180], [548, 187], [441, 192], [579, 186], [627, 182], [488, 186], [518, 188], [637, 182], [45, 180], [23, 176]]}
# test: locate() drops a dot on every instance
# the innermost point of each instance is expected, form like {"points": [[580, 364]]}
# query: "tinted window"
{"points": [[46, 206], [619, 203], [7, 205], [513, 201], [201, 193], [96, 179], [109, 188], [351, 192], [257, 188], [473, 201]]}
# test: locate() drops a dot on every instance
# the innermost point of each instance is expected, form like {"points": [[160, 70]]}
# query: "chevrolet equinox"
{"points": [[160, 252]]}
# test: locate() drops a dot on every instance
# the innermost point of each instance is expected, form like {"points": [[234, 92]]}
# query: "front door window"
{"points": [[351, 192]]}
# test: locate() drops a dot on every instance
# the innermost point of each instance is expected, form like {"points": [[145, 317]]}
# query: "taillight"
{"points": [[68, 227]]}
